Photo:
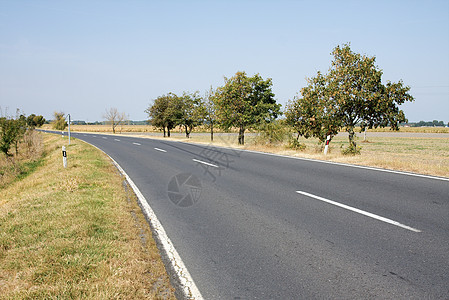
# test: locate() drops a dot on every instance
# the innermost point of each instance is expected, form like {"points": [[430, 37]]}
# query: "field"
{"points": [[76, 232]]}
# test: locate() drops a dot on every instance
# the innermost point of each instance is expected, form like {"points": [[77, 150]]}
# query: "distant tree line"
{"points": [[351, 94], [434, 123]]}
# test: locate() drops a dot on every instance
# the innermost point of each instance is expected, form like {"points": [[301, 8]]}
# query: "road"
{"points": [[255, 226]]}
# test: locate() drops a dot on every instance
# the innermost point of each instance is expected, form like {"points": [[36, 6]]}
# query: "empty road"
{"points": [[255, 226]]}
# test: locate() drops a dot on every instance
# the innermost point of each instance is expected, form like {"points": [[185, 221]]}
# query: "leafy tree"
{"points": [[356, 88], [244, 102], [166, 112], [114, 117], [209, 110], [30, 121], [350, 94], [313, 114], [192, 111], [33, 121], [39, 120], [157, 111], [11, 131], [59, 122]]}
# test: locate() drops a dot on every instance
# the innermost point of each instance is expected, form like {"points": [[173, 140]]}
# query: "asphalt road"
{"points": [[255, 226]]}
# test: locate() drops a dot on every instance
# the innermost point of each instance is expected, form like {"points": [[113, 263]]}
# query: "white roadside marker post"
{"points": [[64, 157], [69, 128], [326, 148]]}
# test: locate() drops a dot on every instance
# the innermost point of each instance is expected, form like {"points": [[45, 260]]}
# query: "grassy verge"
{"points": [[76, 233]]}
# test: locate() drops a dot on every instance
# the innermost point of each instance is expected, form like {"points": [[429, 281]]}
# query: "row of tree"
{"points": [[351, 94], [243, 102], [434, 123], [13, 129]]}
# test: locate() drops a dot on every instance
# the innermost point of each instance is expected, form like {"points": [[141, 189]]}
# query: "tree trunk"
{"points": [[242, 135], [168, 131], [187, 131], [351, 137], [163, 128], [211, 132]]}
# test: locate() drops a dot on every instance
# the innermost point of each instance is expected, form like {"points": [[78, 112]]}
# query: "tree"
{"points": [[157, 111], [244, 102], [30, 121], [166, 112], [39, 120], [313, 114], [59, 122], [356, 88], [209, 110], [192, 111], [33, 121], [350, 94], [11, 131], [114, 117]]}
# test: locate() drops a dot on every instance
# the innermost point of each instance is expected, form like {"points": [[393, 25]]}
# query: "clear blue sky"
{"points": [[81, 57]]}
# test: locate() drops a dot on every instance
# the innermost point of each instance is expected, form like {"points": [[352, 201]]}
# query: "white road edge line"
{"points": [[186, 283], [329, 162], [137, 144], [162, 150], [117, 140], [205, 163], [365, 213]]}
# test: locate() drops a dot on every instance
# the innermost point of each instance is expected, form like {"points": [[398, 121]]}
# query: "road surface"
{"points": [[255, 226]]}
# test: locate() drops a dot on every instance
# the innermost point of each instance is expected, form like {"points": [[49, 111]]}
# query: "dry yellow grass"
{"points": [[29, 156], [70, 233]]}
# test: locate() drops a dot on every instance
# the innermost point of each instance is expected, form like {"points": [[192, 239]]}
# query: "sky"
{"points": [[83, 57]]}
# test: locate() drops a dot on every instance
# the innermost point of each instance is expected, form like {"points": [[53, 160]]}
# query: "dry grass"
{"points": [[30, 152], [71, 233]]}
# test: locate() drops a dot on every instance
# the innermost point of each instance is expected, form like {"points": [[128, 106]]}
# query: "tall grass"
{"points": [[28, 156]]}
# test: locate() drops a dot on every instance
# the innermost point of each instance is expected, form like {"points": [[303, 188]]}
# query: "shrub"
{"points": [[295, 144], [351, 150]]}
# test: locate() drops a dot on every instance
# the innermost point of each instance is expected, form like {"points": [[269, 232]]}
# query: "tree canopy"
{"points": [[244, 102], [351, 94], [165, 112], [59, 123]]}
